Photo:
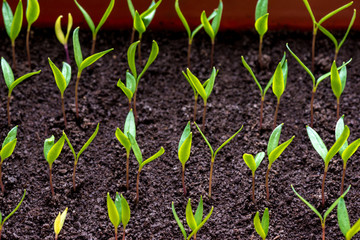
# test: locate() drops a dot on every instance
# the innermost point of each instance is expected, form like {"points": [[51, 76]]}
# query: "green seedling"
{"points": [[261, 24], [32, 14], [195, 222], [253, 164], [2, 221], [52, 151], [119, 212], [274, 150], [213, 154], [130, 87], [62, 79], [204, 90], [322, 218], [59, 222], [213, 28], [333, 39], [7, 149], [347, 150], [315, 82], [13, 24], [190, 34], [142, 21], [262, 227], [131, 62], [91, 24], [63, 39], [129, 127], [344, 221], [82, 63], [184, 150], [11, 83], [316, 25], [338, 82], [139, 158], [83, 148], [326, 155]]}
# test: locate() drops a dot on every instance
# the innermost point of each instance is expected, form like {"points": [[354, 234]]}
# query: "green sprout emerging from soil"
{"points": [[82, 63], [253, 164], [3, 220], [213, 154], [274, 150], [52, 151], [129, 127], [91, 24], [62, 79], [262, 227], [184, 151], [322, 218], [347, 150], [7, 149], [190, 34], [316, 25], [213, 28], [11, 83], [13, 24], [119, 212], [344, 221], [59, 222], [32, 14], [195, 222], [130, 87], [77, 156], [139, 158], [326, 155], [338, 82], [63, 39], [261, 24]]}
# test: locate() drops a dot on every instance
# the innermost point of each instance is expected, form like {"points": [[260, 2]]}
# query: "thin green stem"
{"points": [[212, 53], [183, 179], [337, 108], [204, 118], [8, 109], [76, 94], [211, 172], [323, 189], [189, 54], [261, 111], [63, 110], [253, 187], [343, 179], [134, 102], [276, 112], [51, 183], [312, 107], [139, 49], [127, 170], [195, 108], [137, 186], [313, 49], [267, 184], [336, 54], [1, 183]]}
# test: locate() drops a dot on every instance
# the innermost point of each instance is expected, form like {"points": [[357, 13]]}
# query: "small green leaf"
{"points": [[185, 134], [17, 22], [275, 154], [59, 221], [32, 11], [207, 142], [190, 219], [112, 211], [338, 131], [182, 18], [261, 25], [252, 74], [48, 144], [20, 79], [135, 148], [308, 204], [7, 150], [58, 31], [207, 26], [210, 84], [131, 8], [86, 16], [148, 15], [184, 150], [335, 204], [130, 82], [59, 77], [197, 84], [343, 76], [123, 139], [125, 212], [10, 136], [55, 151], [337, 145], [343, 216], [153, 157], [265, 221], [199, 212], [215, 24], [8, 17], [138, 23], [201, 224], [274, 139], [258, 158], [353, 230], [15, 209], [105, 16], [70, 146], [118, 206], [329, 15], [350, 150], [227, 141], [131, 58], [250, 161], [66, 72], [198, 28], [126, 91], [348, 30], [181, 226], [130, 126], [261, 8], [153, 54], [93, 58], [317, 142], [86, 145], [7, 72], [258, 227], [77, 48], [335, 80], [278, 85]]}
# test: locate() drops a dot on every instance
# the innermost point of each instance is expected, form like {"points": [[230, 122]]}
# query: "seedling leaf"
{"points": [[317, 142], [278, 150], [15, 209], [112, 211], [59, 221], [88, 142], [86, 16], [343, 216], [261, 25], [93, 58], [274, 139], [181, 226], [153, 54], [32, 11], [135, 148], [227, 141], [153, 157], [190, 219]]}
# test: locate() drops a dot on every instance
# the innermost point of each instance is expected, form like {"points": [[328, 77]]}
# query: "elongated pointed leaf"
{"points": [[131, 8], [184, 135], [10, 136], [48, 144], [86, 16], [32, 11], [17, 21], [343, 216], [59, 77], [274, 139], [130, 82], [105, 16], [59, 221], [201, 224], [348, 29], [207, 26], [210, 85], [207, 142], [252, 74], [126, 91], [338, 131], [308, 204], [258, 227], [8, 149], [93, 58], [153, 157], [112, 211], [77, 48], [153, 54], [250, 161], [66, 72], [353, 230], [258, 158], [58, 31], [275, 154], [1, 218], [190, 219], [69, 26], [261, 8], [343, 76], [148, 15], [335, 204], [185, 149], [335, 80], [130, 126], [20, 79], [131, 58], [198, 28], [261, 25], [337, 145], [135, 148], [15, 209], [329, 35], [182, 18], [197, 84], [7, 16], [350, 150], [70, 146], [215, 24], [123, 139], [118, 206], [227, 141], [7, 72], [125, 212], [278, 85], [265, 221], [86, 145], [329, 15], [138, 23], [317, 142], [199, 212], [55, 151], [181, 226]]}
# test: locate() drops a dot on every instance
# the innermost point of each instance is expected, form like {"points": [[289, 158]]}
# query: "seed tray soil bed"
{"points": [[165, 104]]}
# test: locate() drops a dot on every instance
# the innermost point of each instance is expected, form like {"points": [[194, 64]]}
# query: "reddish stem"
{"points": [[276, 113], [337, 108], [183, 179], [336, 54], [129, 105], [137, 186], [63, 110], [67, 54], [1, 183], [73, 177], [116, 234], [195, 108], [134, 102], [51, 184], [123, 238], [13, 55], [267, 184], [8, 109], [313, 51], [56, 236], [323, 231], [189, 54], [323, 189], [343, 180], [194, 236], [212, 53], [132, 36], [204, 118], [253, 188], [312, 107], [127, 170], [76, 95], [260, 59], [28, 47], [211, 172], [261, 111], [93, 45], [139, 51]]}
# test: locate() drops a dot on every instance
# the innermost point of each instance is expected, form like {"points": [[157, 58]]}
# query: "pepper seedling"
{"points": [[119, 212], [322, 218], [184, 151], [59, 222], [333, 39], [317, 24], [347, 150], [129, 127], [62, 79], [261, 24], [204, 90], [7, 149], [344, 221], [32, 14], [213, 28], [2, 221], [11, 83], [141, 22], [253, 164], [82, 63], [315, 82], [63, 39], [326, 155], [274, 150], [13, 24], [195, 222], [77, 156], [131, 62], [52, 151], [91, 24], [139, 158], [262, 227], [338, 82], [129, 88], [213, 154], [190, 34]]}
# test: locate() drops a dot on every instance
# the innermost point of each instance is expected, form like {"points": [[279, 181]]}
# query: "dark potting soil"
{"points": [[165, 104]]}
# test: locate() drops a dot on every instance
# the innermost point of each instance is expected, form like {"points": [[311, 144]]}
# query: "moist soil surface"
{"points": [[165, 104]]}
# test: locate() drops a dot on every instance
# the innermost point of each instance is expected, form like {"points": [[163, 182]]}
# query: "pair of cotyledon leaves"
{"points": [[185, 145], [118, 211], [213, 28], [262, 227], [63, 39], [63, 77], [142, 21], [261, 17], [338, 80], [129, 128], [8, 146], [344, 221], [59, 221]]}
